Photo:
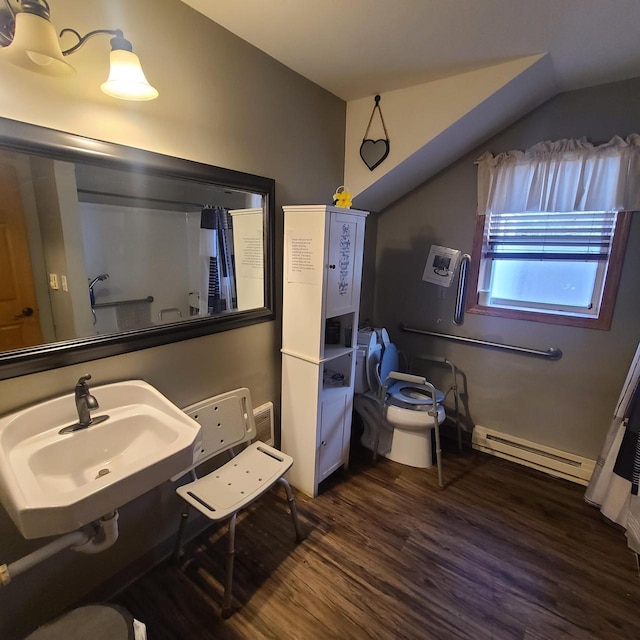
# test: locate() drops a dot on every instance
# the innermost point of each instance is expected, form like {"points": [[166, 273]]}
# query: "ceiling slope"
{"points": [[432, 125], [450, 73], [357, 48]]}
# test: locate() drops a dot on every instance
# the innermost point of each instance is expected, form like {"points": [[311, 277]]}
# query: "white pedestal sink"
{"points": [[51, 483]]}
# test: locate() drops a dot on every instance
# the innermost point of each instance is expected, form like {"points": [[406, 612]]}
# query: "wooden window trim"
{"points": [[614, 271]]}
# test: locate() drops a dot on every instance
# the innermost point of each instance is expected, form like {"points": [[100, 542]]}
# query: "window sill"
{"points": [[602, 323]]}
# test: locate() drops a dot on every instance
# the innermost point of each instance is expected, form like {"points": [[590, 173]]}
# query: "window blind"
{"points": [[574, 235]]}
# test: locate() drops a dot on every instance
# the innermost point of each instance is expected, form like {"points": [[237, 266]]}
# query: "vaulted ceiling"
{"points": [[419, 52], [356, 48]]}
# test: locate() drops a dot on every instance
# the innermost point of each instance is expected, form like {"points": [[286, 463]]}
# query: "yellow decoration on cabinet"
{"points": [[342, 198]]}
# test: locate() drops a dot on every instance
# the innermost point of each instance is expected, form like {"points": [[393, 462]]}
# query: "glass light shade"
{"points": [[126, 78], [36, 47]]}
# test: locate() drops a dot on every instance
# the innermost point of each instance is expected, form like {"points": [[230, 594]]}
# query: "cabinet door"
{"points": [[342, 292], [333, 409]]}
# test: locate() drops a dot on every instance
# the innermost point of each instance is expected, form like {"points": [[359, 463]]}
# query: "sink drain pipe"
{"points": [[104, 535]]}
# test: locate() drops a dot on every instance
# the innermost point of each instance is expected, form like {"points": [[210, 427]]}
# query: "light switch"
{"points": [[53, 281], [63, 281]]}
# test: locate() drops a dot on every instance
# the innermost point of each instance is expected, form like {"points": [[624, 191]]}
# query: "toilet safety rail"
{"points": [[552, 353]]}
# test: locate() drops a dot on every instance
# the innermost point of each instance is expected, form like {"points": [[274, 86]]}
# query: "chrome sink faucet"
{"points": [[85, 403]]}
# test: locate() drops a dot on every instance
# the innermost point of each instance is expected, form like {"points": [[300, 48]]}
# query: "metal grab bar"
{"points": [[458, 314], [118, 303], [552, 353]]}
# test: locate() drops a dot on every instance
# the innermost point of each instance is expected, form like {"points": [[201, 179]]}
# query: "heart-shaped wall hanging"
{"points": [[373, 152]]}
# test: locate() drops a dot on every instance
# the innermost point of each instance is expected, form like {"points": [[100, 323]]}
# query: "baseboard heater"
{"points": [[531, 454], [263, 417]]}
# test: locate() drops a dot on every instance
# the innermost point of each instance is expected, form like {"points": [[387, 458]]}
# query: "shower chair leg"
{"points": [[293, 509], [175, 556], [228, 579]]}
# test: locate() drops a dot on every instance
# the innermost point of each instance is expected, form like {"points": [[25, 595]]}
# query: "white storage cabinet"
{"points": [[321, 298]]}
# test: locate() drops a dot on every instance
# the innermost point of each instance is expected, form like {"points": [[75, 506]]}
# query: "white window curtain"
{"points": [[563, 175]]}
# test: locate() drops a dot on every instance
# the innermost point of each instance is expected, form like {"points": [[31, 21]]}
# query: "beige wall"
{"points": [[221, 102], [565, 404], [416, 116]]}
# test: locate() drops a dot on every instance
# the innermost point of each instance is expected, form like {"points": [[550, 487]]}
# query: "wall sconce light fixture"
{"points": [[28, 39]]}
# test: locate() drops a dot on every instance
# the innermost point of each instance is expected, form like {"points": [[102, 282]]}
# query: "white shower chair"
{"points": [[227, 421]]}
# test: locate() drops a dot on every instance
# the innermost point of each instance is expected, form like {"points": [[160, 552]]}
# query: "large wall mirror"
{"points": [[106, 249]]}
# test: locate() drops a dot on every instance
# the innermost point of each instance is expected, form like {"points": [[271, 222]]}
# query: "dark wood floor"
{"points": [[502, 552]]}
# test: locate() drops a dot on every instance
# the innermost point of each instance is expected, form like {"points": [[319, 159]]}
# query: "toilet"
{"points": [[406, 430]]}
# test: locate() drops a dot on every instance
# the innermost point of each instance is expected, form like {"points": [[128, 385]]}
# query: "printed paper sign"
{"points": [[301, 262], [441, 265]]}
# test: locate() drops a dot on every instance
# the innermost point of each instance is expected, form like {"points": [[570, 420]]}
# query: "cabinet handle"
{"points": [[324, 443], [332, 266]]}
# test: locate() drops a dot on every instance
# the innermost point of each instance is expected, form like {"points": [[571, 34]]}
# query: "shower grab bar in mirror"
{"points": [[118, 303], [552, 353]]}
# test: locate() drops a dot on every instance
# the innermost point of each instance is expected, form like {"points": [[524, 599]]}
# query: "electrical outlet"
{"points": [[63, 281], [53, 281]]}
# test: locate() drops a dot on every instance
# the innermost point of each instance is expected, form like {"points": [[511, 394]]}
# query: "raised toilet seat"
{"points": [[405, 429]]}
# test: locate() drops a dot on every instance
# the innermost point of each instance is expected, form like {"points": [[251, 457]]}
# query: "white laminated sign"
{"points": [[441, 265]]}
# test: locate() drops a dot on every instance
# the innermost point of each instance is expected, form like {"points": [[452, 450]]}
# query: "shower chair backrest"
{"points": [[226, 420]]}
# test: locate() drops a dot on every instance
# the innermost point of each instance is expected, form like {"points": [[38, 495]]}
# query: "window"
{"points": [[561, 268], [551, 231]]}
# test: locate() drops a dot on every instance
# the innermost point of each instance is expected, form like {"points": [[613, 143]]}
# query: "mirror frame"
{"points": [[58, 145]]}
